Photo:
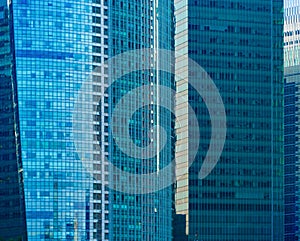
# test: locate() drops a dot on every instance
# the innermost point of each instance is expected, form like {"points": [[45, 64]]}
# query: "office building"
{"points": [[141, 25], [291, 105], [291, 159], [12, 217], [239, 44]]}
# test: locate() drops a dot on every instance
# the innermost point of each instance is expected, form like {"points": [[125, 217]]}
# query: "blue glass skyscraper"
{"points": [[291, 116], [146, 24], [239, 44], [291, 182], [12, 209], [53, 176]]}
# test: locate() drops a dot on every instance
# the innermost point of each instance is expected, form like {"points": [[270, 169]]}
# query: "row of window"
{"points": [[247, 6], [235, 207]]}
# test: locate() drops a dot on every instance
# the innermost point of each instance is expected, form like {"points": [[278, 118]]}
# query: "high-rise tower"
{"points": [[55, 120], [239, 44], [291, 116], [147, 24]]}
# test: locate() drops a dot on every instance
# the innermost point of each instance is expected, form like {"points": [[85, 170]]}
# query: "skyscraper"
{"points": [[12, 217], [291, 106], [239, 44], [55, 120], [291, 183], [145, 24]]}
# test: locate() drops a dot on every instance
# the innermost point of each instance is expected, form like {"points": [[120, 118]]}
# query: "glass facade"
{"points": [[12, 215], [58, 115], [138, 25], [291, 115], [239, 44], [291, 33], [291, 158], [53, 49]]}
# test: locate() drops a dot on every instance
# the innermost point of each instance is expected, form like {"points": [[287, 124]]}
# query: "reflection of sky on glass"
{"points": [[52, 41], [292, 35]]}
